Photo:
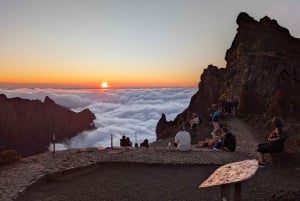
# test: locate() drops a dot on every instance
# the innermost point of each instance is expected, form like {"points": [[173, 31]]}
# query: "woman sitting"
{"points": [[275, 142]]}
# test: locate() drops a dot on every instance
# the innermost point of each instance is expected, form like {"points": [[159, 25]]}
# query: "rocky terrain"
{"points": [[27, 126], [262, 72]]}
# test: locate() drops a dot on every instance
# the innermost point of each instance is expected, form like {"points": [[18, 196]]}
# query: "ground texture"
{"points": [[132, 181]]}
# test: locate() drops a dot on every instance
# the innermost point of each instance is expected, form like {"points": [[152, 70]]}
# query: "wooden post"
{"points": [[53, 138], [136, 145], [111, 140], [225, 192], [238, 191]]}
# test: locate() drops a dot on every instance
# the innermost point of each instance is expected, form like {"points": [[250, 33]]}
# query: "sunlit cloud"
{"points": [[130, 112]]}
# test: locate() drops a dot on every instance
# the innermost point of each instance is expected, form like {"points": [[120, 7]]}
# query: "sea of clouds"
{"points": [[130, 112]]}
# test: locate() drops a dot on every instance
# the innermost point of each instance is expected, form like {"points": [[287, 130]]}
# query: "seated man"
{"points": [[145, 143], [183, 139], [123, 141]]}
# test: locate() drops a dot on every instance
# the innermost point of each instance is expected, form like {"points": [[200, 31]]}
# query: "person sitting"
{"points": [[123, 141], [229, 140], [182, 139], [128, 142], [194, 120], [275, 142], [217, 139], [145, 143], [226, 141]]}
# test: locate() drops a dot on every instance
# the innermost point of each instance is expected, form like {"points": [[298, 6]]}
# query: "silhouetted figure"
{"points": [[128, 142], [123, 141], [145, 143], [235, 104]]}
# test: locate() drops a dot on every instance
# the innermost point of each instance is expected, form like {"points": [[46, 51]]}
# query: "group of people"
{"points": [[222, 137], [224, 140], [125, 142]]}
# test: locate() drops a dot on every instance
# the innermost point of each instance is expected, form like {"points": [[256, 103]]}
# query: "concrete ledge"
{"points": [[33, 170]]}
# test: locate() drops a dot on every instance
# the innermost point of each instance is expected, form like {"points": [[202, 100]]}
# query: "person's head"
{"points": [[277, 121], [146, 141], [123, 137]]}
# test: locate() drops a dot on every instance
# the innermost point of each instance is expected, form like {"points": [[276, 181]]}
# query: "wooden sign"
{"points": [[231, 173]]}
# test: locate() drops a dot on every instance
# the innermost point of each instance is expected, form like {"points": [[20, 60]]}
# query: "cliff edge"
{"points": [[27, 126], [262, 72]]}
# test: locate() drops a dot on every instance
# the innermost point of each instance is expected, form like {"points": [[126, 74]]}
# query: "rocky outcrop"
{"points": [[262, 71], [27, 126]]}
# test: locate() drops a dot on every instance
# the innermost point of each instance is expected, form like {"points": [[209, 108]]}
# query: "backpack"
{"points": [[230, 142]]}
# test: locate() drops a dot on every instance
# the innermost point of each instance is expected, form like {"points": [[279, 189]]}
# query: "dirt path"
{"points": [[246, 141]]}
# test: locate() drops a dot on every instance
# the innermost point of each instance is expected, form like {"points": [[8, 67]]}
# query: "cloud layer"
{"points": [[130, 112]]}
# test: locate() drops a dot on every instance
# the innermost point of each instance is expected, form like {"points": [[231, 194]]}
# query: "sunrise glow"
{"points": [[104, 85], [136, 44]]}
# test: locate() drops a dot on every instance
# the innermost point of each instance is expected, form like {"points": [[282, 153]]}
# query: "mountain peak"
{"points": [[243, 18]]}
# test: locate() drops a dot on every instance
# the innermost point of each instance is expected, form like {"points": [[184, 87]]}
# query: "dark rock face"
{"points": [[27, 125], [262, 71]]}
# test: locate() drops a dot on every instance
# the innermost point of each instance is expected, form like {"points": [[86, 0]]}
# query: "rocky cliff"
{"points": [[262, 71], [27, 126]]}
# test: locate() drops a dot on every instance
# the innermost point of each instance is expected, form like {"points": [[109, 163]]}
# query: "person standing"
{"points": [[275, 142], [183, 139], [235, 104], [215, 117]]}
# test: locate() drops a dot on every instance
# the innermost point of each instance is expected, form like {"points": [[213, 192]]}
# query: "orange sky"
{"points": [[125, 43]]}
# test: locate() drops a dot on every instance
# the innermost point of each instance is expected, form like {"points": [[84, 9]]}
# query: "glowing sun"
{"points": [[104, 85]]}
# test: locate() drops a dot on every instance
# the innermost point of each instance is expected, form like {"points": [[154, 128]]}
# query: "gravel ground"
{"points": [[135, 182]]}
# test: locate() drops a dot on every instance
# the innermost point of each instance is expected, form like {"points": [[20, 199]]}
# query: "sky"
{"points": [[118, 111], [123, 42]]}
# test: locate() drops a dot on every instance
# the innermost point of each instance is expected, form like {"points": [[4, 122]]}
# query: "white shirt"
{"points": [[183, 139]]}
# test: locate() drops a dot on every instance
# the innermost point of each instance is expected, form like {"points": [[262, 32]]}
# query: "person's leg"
{"points": [[261, 158], [261, 150], [216, 127]]}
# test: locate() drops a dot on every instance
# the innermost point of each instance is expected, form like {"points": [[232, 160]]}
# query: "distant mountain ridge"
{"points": [[262, 71], [27, 126]]}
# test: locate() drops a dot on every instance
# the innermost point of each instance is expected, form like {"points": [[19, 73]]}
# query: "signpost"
{"points": [[231, 174]]}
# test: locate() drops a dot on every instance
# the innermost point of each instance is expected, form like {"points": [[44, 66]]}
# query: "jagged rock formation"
{"points": [[27, 126], [262, 71]]}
